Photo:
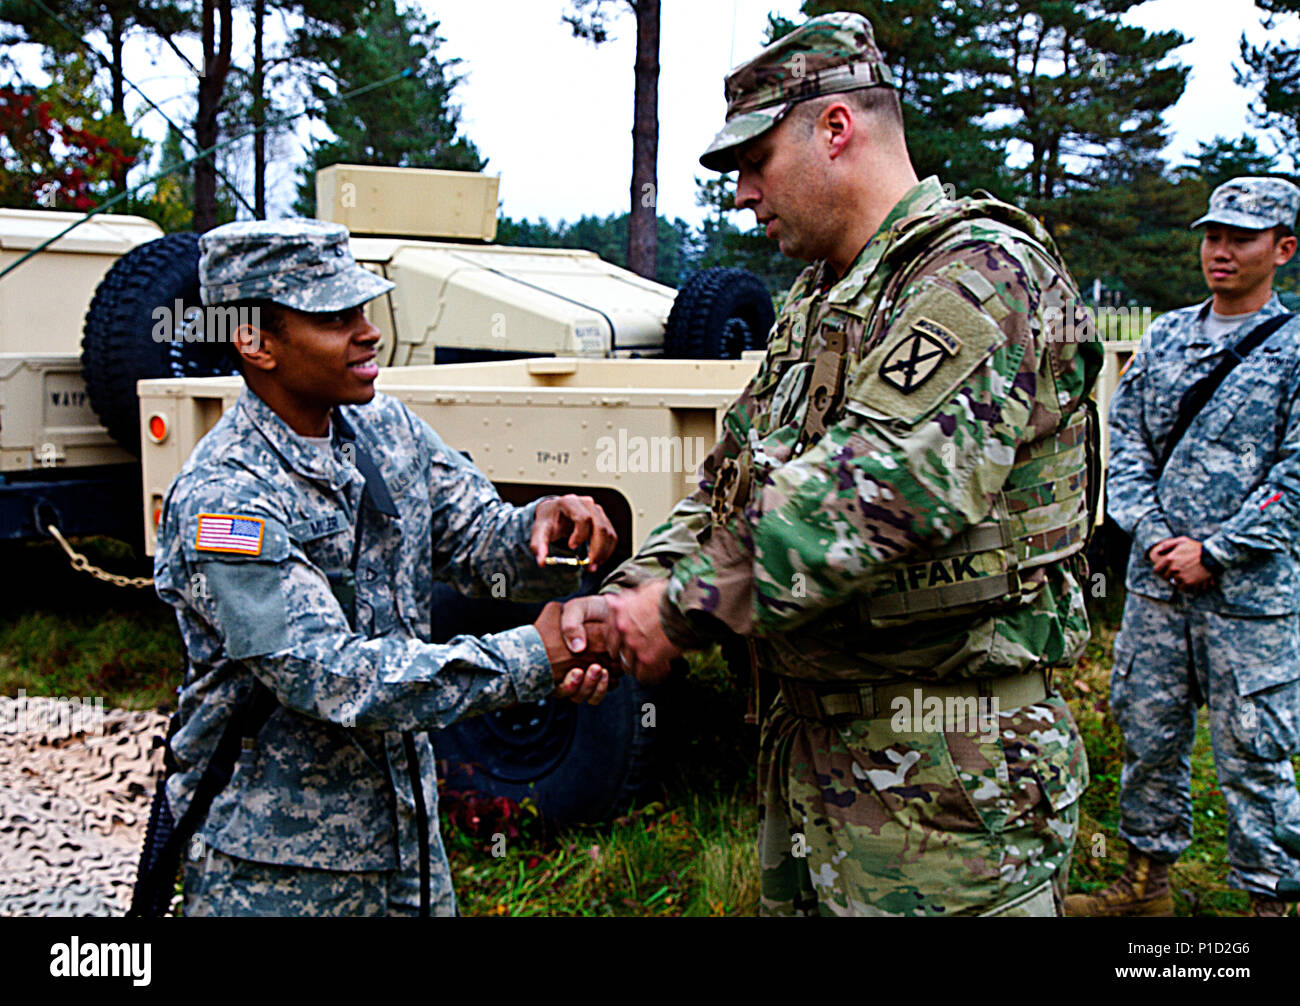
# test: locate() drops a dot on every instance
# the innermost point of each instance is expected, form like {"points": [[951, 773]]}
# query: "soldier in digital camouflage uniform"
{"points": [[1214, 572], [893, 517], [299, 545]]}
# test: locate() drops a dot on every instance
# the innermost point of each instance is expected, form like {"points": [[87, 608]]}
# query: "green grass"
{"points": [[63, 632], [698, 858], [688, 849], [1199, 878]]}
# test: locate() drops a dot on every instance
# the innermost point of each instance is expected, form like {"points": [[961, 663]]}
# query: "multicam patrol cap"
{"points": [[1253, 203], [826, 55], [303, 264]]}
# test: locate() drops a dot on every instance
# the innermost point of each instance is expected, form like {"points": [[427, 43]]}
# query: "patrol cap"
{"points": [[303, 264], [1253, 203], [826, 55]]}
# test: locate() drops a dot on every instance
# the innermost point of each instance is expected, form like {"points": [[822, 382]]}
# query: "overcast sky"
{"points": [[553, 114]]}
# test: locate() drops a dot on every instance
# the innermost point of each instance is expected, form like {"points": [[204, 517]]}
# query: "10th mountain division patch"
{"points": [[915, 359]]}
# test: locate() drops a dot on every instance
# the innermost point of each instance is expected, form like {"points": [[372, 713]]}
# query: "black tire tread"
{"points": [[702, 308], [115, 350]]}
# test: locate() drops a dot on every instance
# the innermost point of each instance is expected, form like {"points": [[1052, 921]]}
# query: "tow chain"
{"points": [[80, 562]]}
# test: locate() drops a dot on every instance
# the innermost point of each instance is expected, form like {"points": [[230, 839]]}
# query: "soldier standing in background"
{"points": [[894, 516], [299, 545], [1214, 573]]}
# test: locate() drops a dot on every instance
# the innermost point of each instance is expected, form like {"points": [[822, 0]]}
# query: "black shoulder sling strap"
{"points": [[1195, 398], [378, 498], [165, 838]]}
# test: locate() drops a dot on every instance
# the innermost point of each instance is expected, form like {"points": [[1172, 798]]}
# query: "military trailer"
{"points": [[629, 433], [57, 461]]}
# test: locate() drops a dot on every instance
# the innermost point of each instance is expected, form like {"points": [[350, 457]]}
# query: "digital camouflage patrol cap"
{"points": [[826, 55], [303, 264], [1253, 204]]}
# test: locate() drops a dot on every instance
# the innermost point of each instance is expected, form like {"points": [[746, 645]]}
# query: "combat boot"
{"points": [[1264, 907], [1142, 890]]}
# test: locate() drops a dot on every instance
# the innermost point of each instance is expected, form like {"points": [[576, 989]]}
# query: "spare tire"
{"points": [[579, 764], [120, 342], [718, 314]]}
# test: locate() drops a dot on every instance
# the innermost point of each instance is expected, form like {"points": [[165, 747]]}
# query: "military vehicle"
{"points": [[69, 433]]}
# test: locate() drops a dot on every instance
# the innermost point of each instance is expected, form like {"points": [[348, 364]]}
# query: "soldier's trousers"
{"points": [[865, 819], [221, 885], [1170, 659]]}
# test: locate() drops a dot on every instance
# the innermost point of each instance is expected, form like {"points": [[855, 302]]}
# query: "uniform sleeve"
{"points": [[480, 542], [1131, 468], [902, 470], [1269, 518], [274, 612], [687, 523]]}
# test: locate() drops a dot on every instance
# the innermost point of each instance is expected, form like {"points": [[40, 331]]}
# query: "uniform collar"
{"points": [[1271, 309], [304, 458], [920, 200]]}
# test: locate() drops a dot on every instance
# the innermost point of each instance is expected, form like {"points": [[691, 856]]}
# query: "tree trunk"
{"points": [[642, 231], [216, 64], [115, 33], [259, 113]]}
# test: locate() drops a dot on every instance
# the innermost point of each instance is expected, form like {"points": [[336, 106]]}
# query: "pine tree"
{"points": [[943, 68], [410, 123], [589, 19], [1273, 72]]}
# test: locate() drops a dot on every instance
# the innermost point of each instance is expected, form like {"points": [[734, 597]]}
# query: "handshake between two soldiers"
{"points": [[591, 639]]}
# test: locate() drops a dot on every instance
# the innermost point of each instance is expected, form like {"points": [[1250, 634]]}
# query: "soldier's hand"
{"points": [[1178, 560], [586, 620], [575, 520], [640, 642], [579, 677]]}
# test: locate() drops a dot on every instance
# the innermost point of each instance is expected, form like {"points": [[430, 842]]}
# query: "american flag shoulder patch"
{"points": [[230, 532]]}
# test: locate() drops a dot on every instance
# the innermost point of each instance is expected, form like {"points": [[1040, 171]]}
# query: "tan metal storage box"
{"points": [[412, 202]]}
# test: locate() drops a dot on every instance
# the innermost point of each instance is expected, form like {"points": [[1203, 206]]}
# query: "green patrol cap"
{"points": [[826, 55]]}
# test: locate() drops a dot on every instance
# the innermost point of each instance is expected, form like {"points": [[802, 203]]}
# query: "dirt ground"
{"points": [[75, 788]]}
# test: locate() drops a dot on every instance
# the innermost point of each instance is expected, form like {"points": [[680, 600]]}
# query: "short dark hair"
{"points": [[873, 101], [1282, 231], [270, 318]]}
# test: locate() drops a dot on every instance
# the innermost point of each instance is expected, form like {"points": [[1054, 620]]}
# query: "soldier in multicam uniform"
{"points": [[1214, 572], [894, 516], [299, 545]]}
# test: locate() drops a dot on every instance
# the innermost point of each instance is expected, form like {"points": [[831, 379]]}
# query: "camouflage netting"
{"points": [[74, 802]]}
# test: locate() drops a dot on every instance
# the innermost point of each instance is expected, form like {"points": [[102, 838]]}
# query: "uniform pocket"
{"points": [[1120, 679], [1036, 758], [1266, 717], [1263, 657], [250, 610]]}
